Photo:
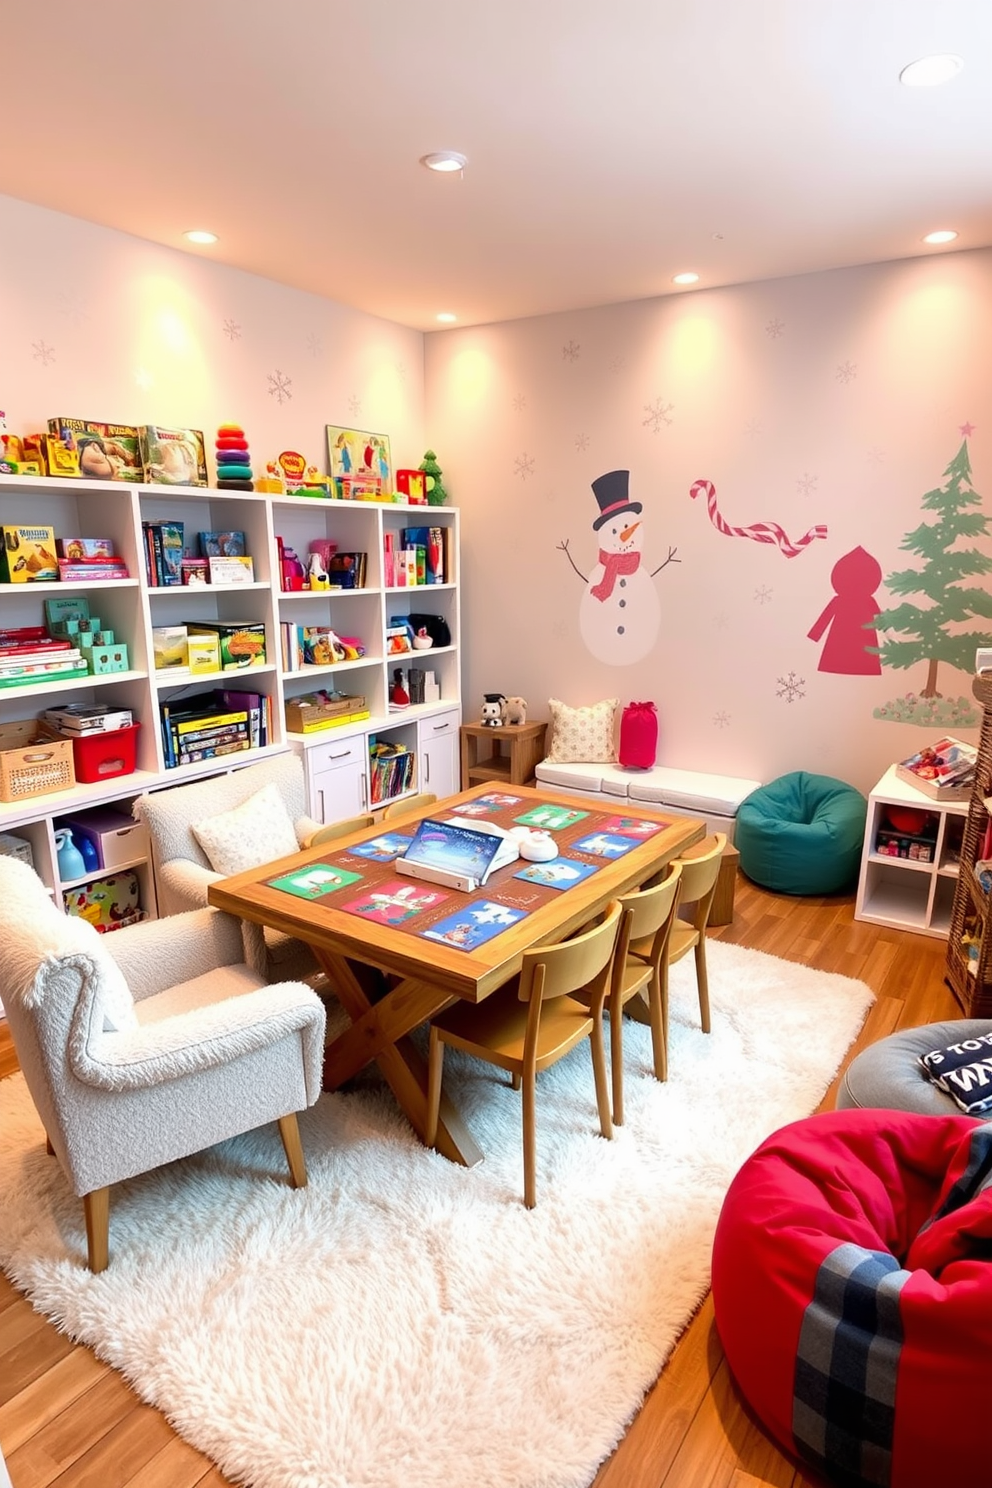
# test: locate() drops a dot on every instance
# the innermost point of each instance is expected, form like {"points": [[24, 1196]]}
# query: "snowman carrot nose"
{"points": [[628, 532]]}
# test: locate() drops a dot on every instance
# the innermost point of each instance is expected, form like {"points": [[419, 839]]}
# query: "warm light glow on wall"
{"points": [[471, 375], [693, 344]]}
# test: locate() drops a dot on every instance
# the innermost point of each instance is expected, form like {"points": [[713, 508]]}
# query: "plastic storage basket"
{"points": [[33, 761], [102, 756]]}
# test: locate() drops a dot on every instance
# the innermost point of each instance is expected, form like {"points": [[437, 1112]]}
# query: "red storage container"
{"points": [[102, 756]]}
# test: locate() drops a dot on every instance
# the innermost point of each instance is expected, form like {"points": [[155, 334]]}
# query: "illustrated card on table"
{"points": [[314, 881], [560, 873], [633, 826], [604, 845], [381, 849], [474, 925], [394, 902], [553, 817]]}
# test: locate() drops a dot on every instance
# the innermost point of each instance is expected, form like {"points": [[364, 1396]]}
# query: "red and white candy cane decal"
{"points": [[763, 532]]}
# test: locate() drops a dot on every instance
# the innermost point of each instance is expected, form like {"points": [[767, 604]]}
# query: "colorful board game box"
{"points": [[28, 555], [173, 457], [105, 451]]}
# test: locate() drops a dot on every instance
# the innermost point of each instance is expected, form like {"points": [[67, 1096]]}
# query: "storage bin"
{"points": [[102, 756], [117, 837], [34, 761]]}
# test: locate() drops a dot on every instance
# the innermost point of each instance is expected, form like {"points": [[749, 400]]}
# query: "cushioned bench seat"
{"points": [[714, 798]]}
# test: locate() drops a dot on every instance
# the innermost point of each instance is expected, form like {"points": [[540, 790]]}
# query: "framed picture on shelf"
{"points": [[357, 455]]}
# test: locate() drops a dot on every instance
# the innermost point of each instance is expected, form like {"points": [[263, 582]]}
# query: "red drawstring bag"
{"points": [[638, 736]]}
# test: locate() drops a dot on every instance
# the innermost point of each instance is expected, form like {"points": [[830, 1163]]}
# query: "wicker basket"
{"points": [[34, 761]]}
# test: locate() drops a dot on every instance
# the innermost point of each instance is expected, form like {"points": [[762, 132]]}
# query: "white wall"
{"points": [[97, 324], [833, 399]]}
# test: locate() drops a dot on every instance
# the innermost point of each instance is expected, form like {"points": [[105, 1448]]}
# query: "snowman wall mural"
{"points": [[619, 614]]}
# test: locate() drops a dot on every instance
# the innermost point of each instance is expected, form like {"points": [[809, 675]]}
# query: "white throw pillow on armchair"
{"points": [[256, 832]]}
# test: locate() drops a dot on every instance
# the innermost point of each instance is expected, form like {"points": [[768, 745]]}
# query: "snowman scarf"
{"points": [[615, 564]]}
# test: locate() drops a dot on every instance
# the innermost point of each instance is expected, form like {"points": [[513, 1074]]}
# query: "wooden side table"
{"points": [[513, 752]]}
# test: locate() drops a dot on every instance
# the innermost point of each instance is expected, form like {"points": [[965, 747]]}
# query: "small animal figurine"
{"points": [[514, 710], [492, 710]]}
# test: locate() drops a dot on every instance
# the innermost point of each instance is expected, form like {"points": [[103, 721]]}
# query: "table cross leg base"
{"points": [[378, 1031]]}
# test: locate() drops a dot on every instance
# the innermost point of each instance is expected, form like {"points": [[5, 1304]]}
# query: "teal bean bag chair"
{"points": [[802, 834]]}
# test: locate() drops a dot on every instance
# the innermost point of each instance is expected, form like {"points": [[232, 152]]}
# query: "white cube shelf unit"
{"points": [[910, 893], [132, 607]]}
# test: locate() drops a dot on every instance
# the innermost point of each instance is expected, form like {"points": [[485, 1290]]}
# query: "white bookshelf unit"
{"points": [[336, 757], [909, 893]]}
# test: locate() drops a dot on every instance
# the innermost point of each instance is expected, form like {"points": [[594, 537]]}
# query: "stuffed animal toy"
{"points": [[515, 710], [492, 710]]}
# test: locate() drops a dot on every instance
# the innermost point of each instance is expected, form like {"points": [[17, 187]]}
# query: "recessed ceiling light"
{"points": [[930, 72], [446, 317], [198, 235], [944, 236], [444, 161], [689, 278]]}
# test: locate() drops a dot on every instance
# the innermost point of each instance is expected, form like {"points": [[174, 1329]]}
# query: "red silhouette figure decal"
{"points": [[851, 615]]}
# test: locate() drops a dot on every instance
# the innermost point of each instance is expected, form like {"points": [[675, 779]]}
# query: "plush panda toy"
{"points": [[492, 710]]}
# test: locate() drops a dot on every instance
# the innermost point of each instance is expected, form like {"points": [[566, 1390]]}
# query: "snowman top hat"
{"points": [[610, 491]]}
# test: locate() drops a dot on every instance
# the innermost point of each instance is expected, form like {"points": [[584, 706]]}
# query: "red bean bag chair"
{"points": [[852, 1289]]}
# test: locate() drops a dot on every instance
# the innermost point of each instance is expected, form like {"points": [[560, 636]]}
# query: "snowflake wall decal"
{"points": [[752, 427], [232, 330], [551, 496], [657, 414], [875, 455], [354, 405], [72, 307], [523, 466], [519, 403], [582, 443], [791, 687], [401, 371], [721, 720], [313, 345], [806, 484], [775, 328], [558, 627], [616, 364], [279, 386], [763, 595], [42, 352], [846, 372], [721, 621], [570, 351]]}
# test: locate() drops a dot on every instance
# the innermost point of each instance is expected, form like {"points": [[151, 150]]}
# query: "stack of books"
{"points": [[29, 655], [85, 560], [391, 770], [164, 553], [213, 724], [944, 771]]}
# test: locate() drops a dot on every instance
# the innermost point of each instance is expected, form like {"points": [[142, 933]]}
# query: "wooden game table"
{"points": [[424, 976]]}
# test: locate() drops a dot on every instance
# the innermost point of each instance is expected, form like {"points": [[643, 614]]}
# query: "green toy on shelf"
{"points": [[436, 494]]}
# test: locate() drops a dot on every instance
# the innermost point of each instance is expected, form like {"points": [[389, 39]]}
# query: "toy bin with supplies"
{"points": [[118, 840], [102, 756], [34, 761]]}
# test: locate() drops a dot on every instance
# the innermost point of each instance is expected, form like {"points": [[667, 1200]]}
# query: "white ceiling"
{"points": [[610, 145]]}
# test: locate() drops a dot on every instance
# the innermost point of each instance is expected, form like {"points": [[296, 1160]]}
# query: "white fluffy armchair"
{"points": [[183, 870], [150, 1043]]}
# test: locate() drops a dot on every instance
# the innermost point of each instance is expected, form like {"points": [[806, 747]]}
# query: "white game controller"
{"points": [[537, 847]]}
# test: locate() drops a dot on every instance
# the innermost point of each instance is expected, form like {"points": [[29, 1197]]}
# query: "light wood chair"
{"points": [[700, 867], [332, 830], [409, 803], [531, 1022], [648, 919]]}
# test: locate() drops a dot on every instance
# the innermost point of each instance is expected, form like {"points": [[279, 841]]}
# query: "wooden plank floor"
{"points": [[65, 1418]]}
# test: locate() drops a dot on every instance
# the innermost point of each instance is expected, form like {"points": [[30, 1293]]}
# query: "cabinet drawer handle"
{"points": [[345, 754]]}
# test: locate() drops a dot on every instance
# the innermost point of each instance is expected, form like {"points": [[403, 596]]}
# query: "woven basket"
{"points": [[34, 761]]}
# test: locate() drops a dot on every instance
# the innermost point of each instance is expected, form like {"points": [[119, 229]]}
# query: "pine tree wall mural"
{"points": [[933, 627]]}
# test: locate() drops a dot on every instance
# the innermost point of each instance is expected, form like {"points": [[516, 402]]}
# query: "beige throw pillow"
{"points": [[253, 833], [583, 735]]}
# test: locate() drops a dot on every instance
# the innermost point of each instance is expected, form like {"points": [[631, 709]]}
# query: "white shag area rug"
{"points": [[406, 1323]]}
